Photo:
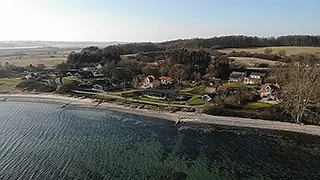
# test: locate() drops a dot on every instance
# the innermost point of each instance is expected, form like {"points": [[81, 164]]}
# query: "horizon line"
{"points": [[176, 39]]}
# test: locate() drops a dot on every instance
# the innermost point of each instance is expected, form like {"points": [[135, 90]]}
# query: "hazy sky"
{"points": [[154, 20]]}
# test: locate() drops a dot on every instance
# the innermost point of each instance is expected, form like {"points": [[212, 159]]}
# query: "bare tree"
{"points": [[268, 51], [300, 88], [179, 72]]}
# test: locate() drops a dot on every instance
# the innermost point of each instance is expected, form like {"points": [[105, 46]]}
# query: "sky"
{"points": [[154, 20]]}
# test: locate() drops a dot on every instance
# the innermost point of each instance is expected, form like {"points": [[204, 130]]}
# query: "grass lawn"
{"points": [[69, 79], [257, 105], [192, 91], [8, 85], [126, 92], [290, 50], [195, 101]]}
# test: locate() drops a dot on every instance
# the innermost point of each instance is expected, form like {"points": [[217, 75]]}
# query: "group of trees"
{"points": [[219, 67], [300, 82], [148, 52], [8, 69], [244, 41], [186, 64]]}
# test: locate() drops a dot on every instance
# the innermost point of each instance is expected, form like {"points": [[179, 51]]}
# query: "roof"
{"points": [[236, 74], [165, 78], [272, 86], [152, 78], [258, 74]]}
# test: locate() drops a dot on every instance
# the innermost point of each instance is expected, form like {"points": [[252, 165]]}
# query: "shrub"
{"points": [[67, 87], [211, 109], [249, 97], [32, 85]]}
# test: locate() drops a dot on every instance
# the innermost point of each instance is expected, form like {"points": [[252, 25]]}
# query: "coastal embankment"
{"points": [[187, 117]]}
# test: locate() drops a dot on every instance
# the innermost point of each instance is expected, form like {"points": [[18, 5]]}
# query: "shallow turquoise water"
{"points": [[43, 141]]}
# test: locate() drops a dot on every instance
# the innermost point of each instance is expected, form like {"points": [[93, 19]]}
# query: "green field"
{"points": [[8, 85], [196, 101], [290, 50], [257, 105]]}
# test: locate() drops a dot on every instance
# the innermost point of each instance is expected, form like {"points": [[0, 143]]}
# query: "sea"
{"points": [[41, 141]]}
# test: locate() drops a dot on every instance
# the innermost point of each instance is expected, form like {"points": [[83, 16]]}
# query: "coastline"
{"points": [[183, 116]]}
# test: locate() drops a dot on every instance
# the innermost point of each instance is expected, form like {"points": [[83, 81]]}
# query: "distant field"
{"points": [[290, 50], [48, 62], [253, 62]]}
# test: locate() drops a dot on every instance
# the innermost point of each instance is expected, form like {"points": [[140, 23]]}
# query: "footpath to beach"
{"points": [[177, 116]]}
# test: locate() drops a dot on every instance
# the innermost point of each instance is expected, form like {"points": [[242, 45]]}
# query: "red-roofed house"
{"points": [[270, 91], [166, 80]]}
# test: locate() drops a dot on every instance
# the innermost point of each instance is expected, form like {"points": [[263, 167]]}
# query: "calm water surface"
{"points": [[43, 141]]}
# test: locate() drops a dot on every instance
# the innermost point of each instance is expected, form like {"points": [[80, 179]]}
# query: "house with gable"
{"points": [[255, 78], [166, 80], [236, 76], [270, 91]]}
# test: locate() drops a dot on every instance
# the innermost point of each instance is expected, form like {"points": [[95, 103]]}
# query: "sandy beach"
{"points": [[182, 116]]}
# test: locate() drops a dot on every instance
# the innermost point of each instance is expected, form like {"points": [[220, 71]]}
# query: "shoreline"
{"points": [[187, 117]]}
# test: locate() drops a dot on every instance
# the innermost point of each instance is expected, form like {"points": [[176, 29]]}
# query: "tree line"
{"points": [[244, 42]]}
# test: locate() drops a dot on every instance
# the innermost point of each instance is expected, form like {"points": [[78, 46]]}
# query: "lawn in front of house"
{"points": [[196, 101], [257, 105]]}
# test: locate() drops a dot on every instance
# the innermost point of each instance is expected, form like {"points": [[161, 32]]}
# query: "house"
{"points": [[215, 83], [99, 66], [209, 96], [166, 80], [31, 75], [103, 84], [255, 78], [98, 87], [80, 74], [163, 94], [58, 81], [145, 82], [236, 76], [148, 82], [92, 69], [270, 91]]}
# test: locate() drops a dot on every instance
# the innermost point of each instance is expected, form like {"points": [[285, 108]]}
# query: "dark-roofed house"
{"points": [[80, 74], [255, 78], [160, 93], [236, 76]]}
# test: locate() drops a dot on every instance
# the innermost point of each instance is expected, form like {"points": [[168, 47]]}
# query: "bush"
{"points": [[212, 109], [232, 101], [67, 87], [249, 97], [32, 85]]}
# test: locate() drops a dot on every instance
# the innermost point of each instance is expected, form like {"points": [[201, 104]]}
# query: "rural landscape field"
{"points": [[290, 50], [159, 90]]}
